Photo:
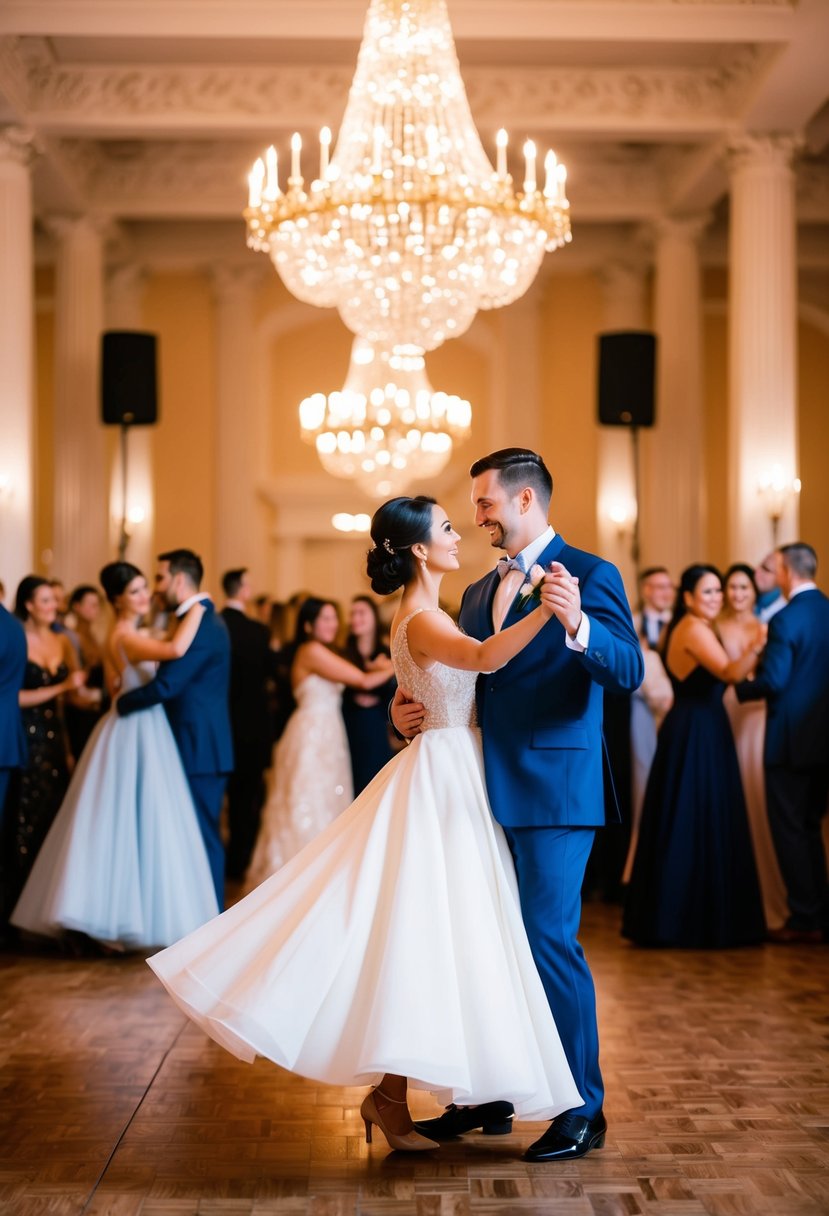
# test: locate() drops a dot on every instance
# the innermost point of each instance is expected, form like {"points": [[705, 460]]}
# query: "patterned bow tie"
{"points": [[510, 563]]}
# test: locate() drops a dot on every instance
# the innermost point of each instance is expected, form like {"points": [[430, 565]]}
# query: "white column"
{"points": [[673, 499], [762, 419], [124, 310], [242, 428], [81, 498], [623, 308], [16, 360]]}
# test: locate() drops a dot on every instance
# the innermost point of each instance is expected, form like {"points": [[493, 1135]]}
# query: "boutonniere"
{"points": [[529, 594]]}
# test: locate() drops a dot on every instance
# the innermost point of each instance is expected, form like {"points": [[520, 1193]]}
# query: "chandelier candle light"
{"points": [[387, 426], [407, 230]]}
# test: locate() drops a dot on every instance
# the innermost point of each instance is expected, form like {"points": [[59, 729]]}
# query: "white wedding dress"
{"points": [[393, 942], [124, 860], [312, 782]]}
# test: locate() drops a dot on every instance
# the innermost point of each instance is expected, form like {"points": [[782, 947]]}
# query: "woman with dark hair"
{"points": [[366, 713], [694, 881], [311, 774], [739, 628], [37, 790], [83, 712], [124, 862], [392, 949]]}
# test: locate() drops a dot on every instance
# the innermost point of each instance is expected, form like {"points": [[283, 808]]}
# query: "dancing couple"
{"points": [[427, 935]]}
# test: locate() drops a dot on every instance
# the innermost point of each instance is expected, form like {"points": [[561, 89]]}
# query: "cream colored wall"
{"points": [[814, 442], [571, 319], [179, 309], [44, 337]]}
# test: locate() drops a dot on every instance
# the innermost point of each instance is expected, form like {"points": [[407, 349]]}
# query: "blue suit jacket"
{"points": [[541, 715], [14, 749], [194, 692], [793, 677]]}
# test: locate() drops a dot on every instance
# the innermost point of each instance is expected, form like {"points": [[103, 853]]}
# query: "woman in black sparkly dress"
{"points": [[38, 789]]}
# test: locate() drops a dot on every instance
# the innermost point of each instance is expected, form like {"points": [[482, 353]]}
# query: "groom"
{"points": [[194, 692], [541, 720]]}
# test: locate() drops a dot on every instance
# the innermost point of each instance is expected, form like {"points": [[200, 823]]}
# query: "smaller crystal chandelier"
{"points": [[387, 426]]}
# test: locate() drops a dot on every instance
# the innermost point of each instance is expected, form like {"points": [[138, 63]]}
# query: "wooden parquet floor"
{"points": [[716, 1064]]}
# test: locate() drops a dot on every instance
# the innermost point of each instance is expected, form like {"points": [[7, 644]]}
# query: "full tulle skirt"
{"points": [[124, 861], [392, 943]]}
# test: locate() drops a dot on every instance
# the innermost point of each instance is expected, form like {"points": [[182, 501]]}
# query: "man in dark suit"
{"points": [[793, 677], [194, 691], [250, 665], [541, 720], [13, 746]]}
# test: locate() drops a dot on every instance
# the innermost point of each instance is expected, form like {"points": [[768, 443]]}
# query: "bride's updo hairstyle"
{"points": [[116, 577], [395, 527]]}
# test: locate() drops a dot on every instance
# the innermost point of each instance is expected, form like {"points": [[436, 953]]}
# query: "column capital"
{"points": [[231, 282], [18, 145], [769, 150], [682, 227], [621, 276], [62, 226]]}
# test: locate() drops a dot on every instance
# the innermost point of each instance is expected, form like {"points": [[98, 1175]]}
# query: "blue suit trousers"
{"points": [[208, 792], [550, 864]]}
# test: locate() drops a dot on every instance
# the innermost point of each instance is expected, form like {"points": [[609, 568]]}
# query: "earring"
{"points": [[423, 564]]}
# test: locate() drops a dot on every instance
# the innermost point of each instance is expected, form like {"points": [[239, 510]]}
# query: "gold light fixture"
{"points": [[407, 229], [776, 490], [387, 427]]}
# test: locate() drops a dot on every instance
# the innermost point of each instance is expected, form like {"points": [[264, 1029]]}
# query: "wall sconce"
{"points": [[776, 490], [5, 487], [344, 522], [623, 516]]}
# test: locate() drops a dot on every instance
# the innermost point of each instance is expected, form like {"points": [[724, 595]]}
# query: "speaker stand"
{"points": [[634, 542], [123, 536]]}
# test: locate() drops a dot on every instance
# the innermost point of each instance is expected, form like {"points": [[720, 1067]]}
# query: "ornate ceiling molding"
{"points": [[67, 99]]}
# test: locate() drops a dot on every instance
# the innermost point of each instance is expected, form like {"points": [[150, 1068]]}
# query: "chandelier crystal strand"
{"points": [[409, 230], [387, 427]]}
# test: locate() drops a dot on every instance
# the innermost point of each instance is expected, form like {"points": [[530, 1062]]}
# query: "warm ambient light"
{"points": [[344, 522]]}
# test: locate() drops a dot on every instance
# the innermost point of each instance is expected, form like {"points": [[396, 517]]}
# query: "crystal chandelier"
{"points": [[387, 427], [407, 230]]}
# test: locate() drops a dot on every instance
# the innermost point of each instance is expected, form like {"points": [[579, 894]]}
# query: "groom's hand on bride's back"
{"points": [[406, 715]]}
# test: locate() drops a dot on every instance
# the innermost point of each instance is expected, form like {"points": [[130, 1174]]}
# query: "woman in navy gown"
{"points": [[366, 713], [694, 880]]}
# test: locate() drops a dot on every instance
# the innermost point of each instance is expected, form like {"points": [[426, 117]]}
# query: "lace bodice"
{"points": [[447, 693]]}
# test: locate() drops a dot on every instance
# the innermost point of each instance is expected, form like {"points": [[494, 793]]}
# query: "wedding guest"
{"points": [[648, 707], [793, 678], [39, 785], [365, 713], [124, 863], [739, 628], [84, 711], [193, 691], [311, 782], [61, 605], [13, 745], [280, 697], [770, 599], [656, 594], [694, 881], [251, 664]]}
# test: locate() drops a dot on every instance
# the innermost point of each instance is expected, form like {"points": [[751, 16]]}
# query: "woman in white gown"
{"points": [[312, 782], [124, 861], [392, 949]]}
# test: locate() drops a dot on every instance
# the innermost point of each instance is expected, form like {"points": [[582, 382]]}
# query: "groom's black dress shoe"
{"points": [[569, 1136], [492, 1118]]}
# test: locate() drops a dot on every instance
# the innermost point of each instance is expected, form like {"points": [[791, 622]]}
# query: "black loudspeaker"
{"points": [[129, 395], [627, 378]]}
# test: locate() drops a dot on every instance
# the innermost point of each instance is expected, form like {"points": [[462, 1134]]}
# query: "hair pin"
{"points": [[388, 547]]}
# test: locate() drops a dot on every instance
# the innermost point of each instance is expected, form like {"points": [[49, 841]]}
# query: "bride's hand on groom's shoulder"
{"points": [[561, 598], [406, 714]]}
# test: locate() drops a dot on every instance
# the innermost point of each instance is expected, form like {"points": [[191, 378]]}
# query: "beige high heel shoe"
{"points": [[411, 1142]]}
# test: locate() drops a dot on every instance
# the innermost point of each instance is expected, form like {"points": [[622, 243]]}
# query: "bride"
{"points": [[391, 950], [124, 861]]}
